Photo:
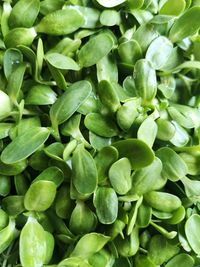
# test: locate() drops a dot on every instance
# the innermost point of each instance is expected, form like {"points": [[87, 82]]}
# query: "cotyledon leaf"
{"points": [[93, 50], [84, 171], [40, 195], [89, 244], [186, 25], [24, 13], [139, 154], [106, 204], [25, 145], [7, 235], [159, 51], [61, 22], [62, 62], [69, 102], [172, 7], [32, 244], [191, 231]]}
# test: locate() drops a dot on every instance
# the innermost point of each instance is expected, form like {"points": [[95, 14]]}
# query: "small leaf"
{"points": [[108, 95], [20, 36], [183, 260], [15, 82], [159, 51], [40, 94], [24, 13], [162, 201], [32, 244], [106, 204], [61, 22], [174, 167], [61, 62], [7, 235], [172, 7], [191, 231], [139, 154], [89, 244], [69, 102], [145, 80], [12, 58], [182, 29], [104, 159], [148, 125], [120, 176], [93, 51], [82, 220], [84, 171], [24, 145], [100, 125], [40, 195]]}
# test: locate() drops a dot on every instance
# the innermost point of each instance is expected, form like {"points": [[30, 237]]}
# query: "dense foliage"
{"points": [[99, 133]]}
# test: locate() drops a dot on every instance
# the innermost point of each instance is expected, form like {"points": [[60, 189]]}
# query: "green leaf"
{"points": [[5, 185], [147, 179], [24, 13], [182, 27], [12, 169], [52, 174], [171, 7], [20, 36], [150, 126], [108, 95], [91, 16], [100, 125], [120, 176], [89, 244], [160, 250], [109, 18], [40, 94], [174, 167], [62, 62], [129, 52], [84, 171], [104, 159], [13, 205], [145, 80], [159, 51], [82, 219], [50, 243], [7, 235], [12, 58], [191, 231], [106, 204], [69, 102], [15, 82], [162, 201], [128, 247], [107, 68], [61, 22], [93, 51], [40, 195], [139, 154], [24, 145], [32, 242], [183, 259]]}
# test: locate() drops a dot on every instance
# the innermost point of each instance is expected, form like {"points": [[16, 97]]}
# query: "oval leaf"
{"points": [[32, 244], [24, 145], [40, 195]]}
